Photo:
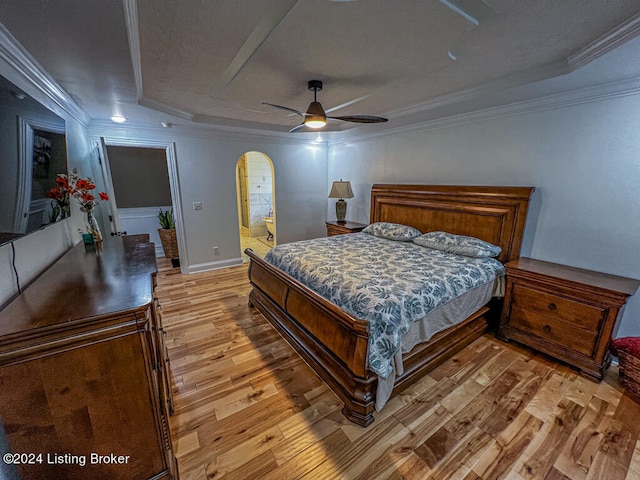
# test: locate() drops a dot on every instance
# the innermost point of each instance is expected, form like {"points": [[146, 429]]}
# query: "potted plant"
{"points": [[168, 236]]}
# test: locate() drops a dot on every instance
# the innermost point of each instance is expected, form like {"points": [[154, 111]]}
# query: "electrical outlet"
{"points": [[215, 250], [197, 205]]}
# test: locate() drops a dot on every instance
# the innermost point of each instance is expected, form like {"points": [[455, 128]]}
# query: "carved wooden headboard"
{"points": [[494, 214]]}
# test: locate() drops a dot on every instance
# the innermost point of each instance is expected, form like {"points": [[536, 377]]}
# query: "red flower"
{"points": [[72, 185], [54, 193], [82, 184], [62, 181]]}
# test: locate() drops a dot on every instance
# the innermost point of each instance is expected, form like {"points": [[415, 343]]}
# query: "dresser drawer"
{"points": [[552, 329], [577, 314]]}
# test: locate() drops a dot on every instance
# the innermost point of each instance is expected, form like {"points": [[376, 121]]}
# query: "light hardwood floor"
{"points": [[260, 245], [247, 407]]}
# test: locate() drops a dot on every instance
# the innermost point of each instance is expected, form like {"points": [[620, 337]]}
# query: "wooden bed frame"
{"points": [[334, 343]]}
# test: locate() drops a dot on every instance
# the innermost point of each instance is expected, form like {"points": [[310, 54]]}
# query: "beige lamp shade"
{"points": [[341, 189]]}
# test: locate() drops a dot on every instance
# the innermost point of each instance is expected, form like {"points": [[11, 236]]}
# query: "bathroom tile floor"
{"points": [[260, 245]]}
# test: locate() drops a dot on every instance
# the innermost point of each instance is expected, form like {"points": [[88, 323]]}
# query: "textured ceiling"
{"points": [[215, 62]]}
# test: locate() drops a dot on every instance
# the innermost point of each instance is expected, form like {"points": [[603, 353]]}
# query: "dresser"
{"points": [[84, 386], [568, 313], [340, 228]]}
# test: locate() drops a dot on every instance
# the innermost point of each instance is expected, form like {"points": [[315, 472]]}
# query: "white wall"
{"points": [[206, 164], [584, 161]]}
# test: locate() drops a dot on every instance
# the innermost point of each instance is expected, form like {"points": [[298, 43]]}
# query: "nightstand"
{"points": [[339, 228], [568, 313]]}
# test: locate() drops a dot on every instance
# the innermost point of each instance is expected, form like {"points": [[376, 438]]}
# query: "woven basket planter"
{"points": [[169, 242], [627, 349]]}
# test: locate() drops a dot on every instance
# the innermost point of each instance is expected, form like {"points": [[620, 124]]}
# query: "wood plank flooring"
{"points": [[247, 407]]}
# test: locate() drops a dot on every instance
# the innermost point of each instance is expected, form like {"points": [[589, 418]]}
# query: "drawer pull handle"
{"points": [[552, 306], [546, 329]]}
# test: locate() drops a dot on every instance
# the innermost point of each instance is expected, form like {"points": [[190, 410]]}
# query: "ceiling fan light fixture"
{"points": [[315, 122], [315, 116]]}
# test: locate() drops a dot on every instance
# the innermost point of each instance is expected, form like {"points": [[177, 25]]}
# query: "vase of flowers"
{"points": [[72, 185], [92, 226], [59, 195]]}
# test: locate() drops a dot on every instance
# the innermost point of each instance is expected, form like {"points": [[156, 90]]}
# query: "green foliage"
{"points": [[166, 219], [55, 214]]}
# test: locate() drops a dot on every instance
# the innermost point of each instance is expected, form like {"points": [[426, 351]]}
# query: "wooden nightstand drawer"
{"points": [[577, 313], [340, 228], [551, 329], [566, 312]]}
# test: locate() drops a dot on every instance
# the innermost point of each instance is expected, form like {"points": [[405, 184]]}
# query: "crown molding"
{"points": [[106, 128], [30, 70], [585, 95], [611, 40], [161, 107], [133, 36], [511, 81]]}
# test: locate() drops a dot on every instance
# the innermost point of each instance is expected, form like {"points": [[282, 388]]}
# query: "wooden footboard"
{"points": [[334, 344]]}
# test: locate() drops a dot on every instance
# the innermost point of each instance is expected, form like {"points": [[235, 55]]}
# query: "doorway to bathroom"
{"points": [[256, 203]]}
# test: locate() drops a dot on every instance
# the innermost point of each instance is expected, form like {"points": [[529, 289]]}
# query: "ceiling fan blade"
{"points": [[284, 108], [297, 127], [361, 119]]}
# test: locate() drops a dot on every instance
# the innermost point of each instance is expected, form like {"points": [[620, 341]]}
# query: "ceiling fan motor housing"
{"points": [[315, 109], [315, 85]]}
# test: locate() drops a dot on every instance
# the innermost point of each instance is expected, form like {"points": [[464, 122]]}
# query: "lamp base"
{"points": [[341, 210]]}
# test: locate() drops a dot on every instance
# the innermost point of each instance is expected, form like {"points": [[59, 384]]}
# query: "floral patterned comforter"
{"points": [[388, 283]]}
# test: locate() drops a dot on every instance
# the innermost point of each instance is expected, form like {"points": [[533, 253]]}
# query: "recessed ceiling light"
{"points": [[451, 55], [118, 119]]}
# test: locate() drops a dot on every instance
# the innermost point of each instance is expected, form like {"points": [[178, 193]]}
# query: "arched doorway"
{"points": [[255, 190]]}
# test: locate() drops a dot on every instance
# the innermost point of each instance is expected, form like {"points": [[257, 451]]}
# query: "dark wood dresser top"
{"points": [[84, 286]]}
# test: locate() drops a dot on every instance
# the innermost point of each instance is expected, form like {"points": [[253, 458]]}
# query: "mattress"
{"points": [[391, 284], [434, 322]]}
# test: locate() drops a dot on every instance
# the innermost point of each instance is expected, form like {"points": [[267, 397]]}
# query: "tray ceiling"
{"points": [[215, 62]]}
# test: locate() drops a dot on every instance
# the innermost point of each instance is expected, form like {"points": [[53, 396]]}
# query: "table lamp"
{"points": [[341, 190]]}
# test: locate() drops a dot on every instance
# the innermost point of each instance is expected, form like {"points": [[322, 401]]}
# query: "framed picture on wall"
{"points": [[41, 157]]}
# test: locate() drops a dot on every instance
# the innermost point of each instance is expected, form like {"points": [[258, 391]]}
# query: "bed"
{"points": [[335, 343]]}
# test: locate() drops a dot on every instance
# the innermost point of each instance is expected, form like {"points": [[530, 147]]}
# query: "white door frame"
{"points": [[174, 184], [26, 126]]}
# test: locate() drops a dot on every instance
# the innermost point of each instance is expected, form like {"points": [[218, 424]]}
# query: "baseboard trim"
{"points": [[203, 267]]}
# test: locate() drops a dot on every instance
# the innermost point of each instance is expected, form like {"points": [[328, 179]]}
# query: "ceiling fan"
{"points": [[315, 116]]}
